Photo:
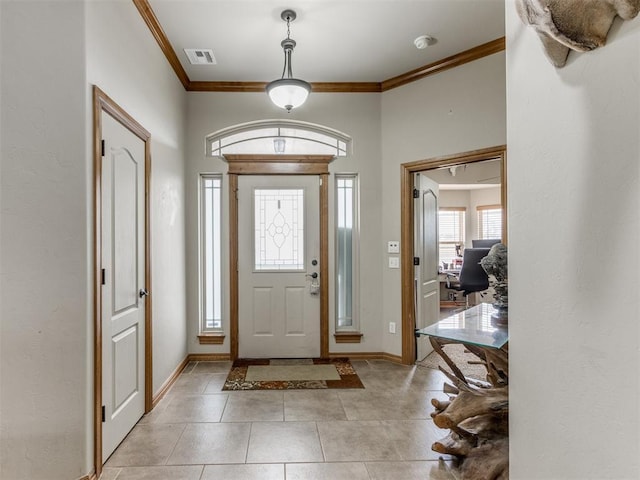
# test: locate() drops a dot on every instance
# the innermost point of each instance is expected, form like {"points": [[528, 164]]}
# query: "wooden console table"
{"points": [[477, 413]]}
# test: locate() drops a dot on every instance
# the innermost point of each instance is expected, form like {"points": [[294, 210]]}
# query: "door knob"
{"points": [[313, 275], [143, 292]]}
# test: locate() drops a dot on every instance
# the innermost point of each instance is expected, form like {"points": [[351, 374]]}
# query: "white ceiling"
{"points": [[337, 41]]}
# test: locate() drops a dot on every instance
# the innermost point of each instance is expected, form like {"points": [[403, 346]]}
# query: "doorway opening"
{"points": [[441, 168]]}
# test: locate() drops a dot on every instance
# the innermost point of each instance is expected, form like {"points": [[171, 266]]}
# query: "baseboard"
{"points": [[208, 357], [368, 356], [392, 358], [169, 382], [191, 357]]}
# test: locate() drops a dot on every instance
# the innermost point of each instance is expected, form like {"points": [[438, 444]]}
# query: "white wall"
{"points": [[454, 111], [357, 115], [574, 156], [46, 298], [127, 64], [44, 261]]}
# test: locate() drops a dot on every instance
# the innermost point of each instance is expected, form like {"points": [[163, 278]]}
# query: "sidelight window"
{"points": [[347, 237], [211, 252]]}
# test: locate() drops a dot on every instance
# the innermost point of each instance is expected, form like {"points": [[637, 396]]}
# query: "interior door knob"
{"points": [[143, 292]]}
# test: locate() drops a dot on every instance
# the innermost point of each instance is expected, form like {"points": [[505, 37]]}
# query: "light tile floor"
{"points": [[199, 432]]}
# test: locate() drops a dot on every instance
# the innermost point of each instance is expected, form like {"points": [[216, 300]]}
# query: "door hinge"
{"points": [[102, 148], [103, 275], [416, 192], [416, 260], [103, 414]]}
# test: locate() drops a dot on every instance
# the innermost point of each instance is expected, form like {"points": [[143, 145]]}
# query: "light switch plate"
{"points": [[394, 262], [393, 246]]}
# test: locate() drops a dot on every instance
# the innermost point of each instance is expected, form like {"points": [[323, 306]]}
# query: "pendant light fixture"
{"points": [[288, 92]]}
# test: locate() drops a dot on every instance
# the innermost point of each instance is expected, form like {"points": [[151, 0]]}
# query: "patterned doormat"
{"points": [[290, 374]]}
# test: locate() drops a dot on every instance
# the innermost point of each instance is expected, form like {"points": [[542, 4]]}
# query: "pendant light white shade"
{"points": [[288, 93]]}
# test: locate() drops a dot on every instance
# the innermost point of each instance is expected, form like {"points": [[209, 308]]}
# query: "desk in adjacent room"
{"points": [[450, 296]]}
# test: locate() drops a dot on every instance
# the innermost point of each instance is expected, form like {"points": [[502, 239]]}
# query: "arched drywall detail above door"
{"points": [[278, 136]]}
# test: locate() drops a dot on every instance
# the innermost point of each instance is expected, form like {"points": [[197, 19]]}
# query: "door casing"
{"points": [[279, 165], [103, 103], [407, 230]]}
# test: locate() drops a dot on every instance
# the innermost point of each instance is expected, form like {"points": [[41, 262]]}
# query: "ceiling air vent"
{"points": [[200, 56]]}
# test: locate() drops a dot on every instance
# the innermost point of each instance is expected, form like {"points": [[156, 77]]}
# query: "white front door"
{"points": [[427, 288], [279, 248], [123, 290]]}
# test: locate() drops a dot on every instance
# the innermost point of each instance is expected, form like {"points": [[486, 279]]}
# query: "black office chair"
{"points": [[473, 278]]}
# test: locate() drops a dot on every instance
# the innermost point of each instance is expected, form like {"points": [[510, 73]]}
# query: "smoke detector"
{"points": [[200, 56], [424, 41]]}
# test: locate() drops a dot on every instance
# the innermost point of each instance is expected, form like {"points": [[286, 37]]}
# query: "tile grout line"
{"points": [[324, 457], [366, 467], [246, 453], [201, 473], [184, 427], [226, 402]]}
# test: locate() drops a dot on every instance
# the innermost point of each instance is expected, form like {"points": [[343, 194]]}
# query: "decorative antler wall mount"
{"points": [[580, 25]]}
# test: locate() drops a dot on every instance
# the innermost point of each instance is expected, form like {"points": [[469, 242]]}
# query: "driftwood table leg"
{"points": [[454, 368], [477, 416]]}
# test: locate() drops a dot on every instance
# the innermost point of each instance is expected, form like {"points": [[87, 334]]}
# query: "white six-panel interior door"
{"points": [[279, 248]]}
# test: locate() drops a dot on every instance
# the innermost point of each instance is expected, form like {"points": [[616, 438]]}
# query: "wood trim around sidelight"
{"points": [[347, 337], [475, 53], [406, 229], [278, 165], [324, 264], [233, 266], [211, 339], [103, 103]]}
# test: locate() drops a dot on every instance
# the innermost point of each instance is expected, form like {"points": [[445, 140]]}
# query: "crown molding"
{"points": [[316, 87], [456, 60], [149, 17], [475, 53]]}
